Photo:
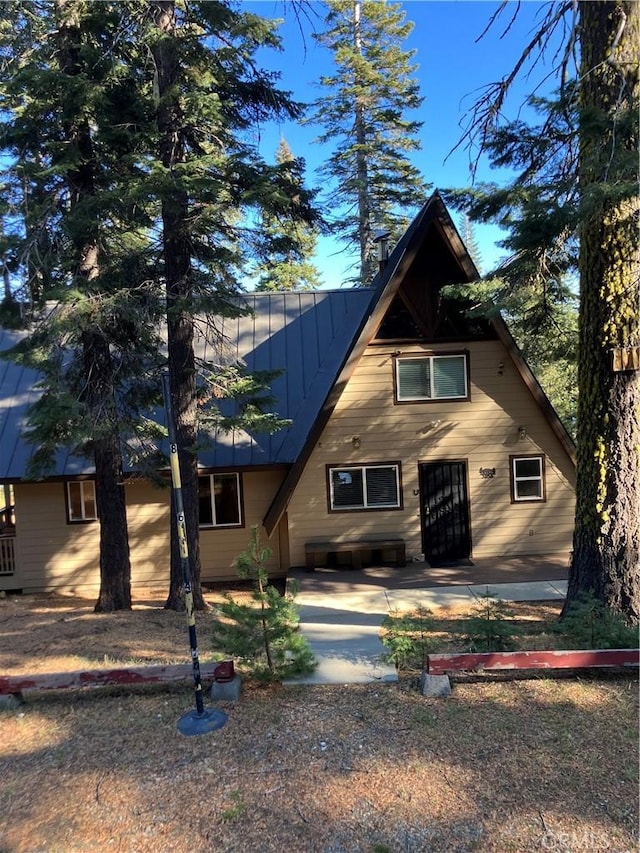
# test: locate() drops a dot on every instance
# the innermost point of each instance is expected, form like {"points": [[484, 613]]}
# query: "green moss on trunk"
{"points": [[607, 532]]}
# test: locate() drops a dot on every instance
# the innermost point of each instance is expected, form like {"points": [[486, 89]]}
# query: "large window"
{"points": [[527, 478], [364, 487], [220, 500], [81, 501], [433, 377]]}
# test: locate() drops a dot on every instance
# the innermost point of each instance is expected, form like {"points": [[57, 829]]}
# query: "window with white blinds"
{"points": [[364, 487], [433, 377]]}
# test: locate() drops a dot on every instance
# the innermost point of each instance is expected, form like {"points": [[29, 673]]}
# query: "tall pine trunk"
{"points": [[606, 555], [115, 565], [176, 247], [362, 174]]}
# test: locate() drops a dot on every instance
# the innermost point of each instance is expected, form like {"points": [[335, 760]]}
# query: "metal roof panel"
{"points": [[304, 335]]}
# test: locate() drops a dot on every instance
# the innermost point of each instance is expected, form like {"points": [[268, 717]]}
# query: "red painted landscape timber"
{"points": [[574, 659], [14, 684]]}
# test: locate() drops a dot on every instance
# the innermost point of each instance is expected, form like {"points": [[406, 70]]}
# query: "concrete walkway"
{"points": [[341, 614]]}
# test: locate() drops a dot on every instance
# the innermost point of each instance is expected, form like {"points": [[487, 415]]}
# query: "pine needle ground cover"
{"points": [[515, 766]]}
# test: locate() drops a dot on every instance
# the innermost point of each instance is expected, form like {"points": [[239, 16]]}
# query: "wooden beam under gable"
{"points": [[439, 259]]}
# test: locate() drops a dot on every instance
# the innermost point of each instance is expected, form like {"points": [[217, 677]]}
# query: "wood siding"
{"points": [[54, 555], [50, 553], [219, 548], [484, 432]]}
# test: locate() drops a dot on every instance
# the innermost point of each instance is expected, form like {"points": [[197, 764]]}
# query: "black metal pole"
{"points": [[202, 720]]}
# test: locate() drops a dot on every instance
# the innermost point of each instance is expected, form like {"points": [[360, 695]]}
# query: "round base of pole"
{"points": [[193, 723]]}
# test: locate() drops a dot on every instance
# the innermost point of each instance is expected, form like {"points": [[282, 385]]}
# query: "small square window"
{"points": [[81, 501], [527, 478], [220, 500], [364, 487], [434, 377]]}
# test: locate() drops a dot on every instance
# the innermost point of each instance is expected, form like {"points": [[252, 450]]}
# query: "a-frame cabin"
{"points": [[409, 421]]}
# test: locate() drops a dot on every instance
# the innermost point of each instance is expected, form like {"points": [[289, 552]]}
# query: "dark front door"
{"points": [[445, 511]]}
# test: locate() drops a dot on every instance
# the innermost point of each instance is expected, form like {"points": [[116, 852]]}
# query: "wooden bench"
{"points": [[442, 664], [356, 547], [13, 685]]}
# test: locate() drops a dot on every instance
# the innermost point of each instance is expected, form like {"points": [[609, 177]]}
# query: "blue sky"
{"points": [[453, 65]]}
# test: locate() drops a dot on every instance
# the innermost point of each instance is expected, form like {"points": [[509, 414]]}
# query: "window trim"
{"points": [[67, 501], [239, 481], [409, 356], [362, 466], [514, 480]]}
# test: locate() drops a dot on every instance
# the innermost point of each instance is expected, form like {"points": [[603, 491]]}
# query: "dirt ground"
{"points": [[500, 766]]}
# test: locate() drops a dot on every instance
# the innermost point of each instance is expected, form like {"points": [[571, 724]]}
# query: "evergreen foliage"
{"points": [[545, 330], [589, 624], [131, 199], [536, 288], [264, 634], [541, 312], [71, 242], [211, 184], [468, 235], [547, 334], [489, 628], [405, 635], [287, 264], [374, 185]]}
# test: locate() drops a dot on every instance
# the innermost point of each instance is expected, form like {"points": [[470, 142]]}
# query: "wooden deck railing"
{"points": [[7, 555]]}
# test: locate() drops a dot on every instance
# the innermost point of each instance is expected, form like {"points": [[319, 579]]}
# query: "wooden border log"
{"points": [[15, 684], [441, 664]]}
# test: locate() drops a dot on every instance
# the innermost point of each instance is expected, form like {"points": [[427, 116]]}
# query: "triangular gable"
{"points": [[432, 223], [385, 286]]}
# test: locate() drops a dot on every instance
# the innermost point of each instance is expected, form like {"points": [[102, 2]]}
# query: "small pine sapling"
{"points": [[490, 627], [590, 624], [263, 633], [407, 638]]}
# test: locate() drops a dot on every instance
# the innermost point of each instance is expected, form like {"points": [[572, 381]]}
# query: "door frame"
{"points": [[423, 527]]}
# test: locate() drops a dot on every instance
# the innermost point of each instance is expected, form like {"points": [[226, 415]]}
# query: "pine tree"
{"points": [[575, 206], [264, 634], [290, 246], [25, 239], [207, 92], [468, 234], [63, 101], [375, 186], [606, 545], [146, 124]]}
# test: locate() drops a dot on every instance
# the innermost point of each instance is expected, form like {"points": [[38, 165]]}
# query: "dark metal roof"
{"points": [[306, 335], [18, 391]]}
